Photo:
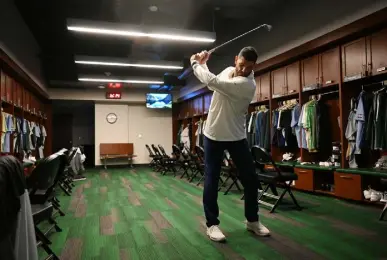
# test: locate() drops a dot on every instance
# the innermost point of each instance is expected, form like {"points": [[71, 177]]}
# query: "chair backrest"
{"points": [[162, 151], [149, 150], [200, 153], [261, 158], [156, 151], [176, 151], [43, 176]]}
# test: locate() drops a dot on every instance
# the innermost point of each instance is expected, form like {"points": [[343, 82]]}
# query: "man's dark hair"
{"points": [[249, 53]]}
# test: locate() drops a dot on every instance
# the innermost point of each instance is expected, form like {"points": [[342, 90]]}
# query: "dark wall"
{"points": [[18, 42]]}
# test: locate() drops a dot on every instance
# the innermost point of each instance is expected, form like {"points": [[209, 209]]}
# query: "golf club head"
{"points": [[269, 27]]}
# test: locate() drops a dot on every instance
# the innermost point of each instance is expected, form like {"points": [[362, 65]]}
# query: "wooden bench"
{"points": [[116, 151]]}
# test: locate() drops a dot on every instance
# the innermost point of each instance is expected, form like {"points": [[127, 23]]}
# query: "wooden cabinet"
{"points": [[377, 53], [321, 70], [26, 100], [286, 80], [293, 78], [2, 85], [354, 59], [207, 102], [8, 89], [305, 179], [263, 87], [348, 186], [278, 83], [310, 72], [329, 71], [17, 95]]}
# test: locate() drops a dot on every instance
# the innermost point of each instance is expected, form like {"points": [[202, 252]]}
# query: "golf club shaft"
{"points": [[223, 44], [189, 70]]}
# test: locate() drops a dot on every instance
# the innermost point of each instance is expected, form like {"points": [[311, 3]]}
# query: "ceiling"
{"points": [[47, 22]]}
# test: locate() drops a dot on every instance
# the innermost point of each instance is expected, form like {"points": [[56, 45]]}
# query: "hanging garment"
{"points": [[350, 135], [17, 237], [185, 137]]}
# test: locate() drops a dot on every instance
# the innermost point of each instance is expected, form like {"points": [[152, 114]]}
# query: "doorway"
{"points": [[74, 125]]}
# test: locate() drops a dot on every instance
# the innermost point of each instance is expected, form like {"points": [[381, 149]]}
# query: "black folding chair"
{"points": [[170, 161], [230, 171], [41, 185], [272, 178], [152, 156], [181, 161], [199, 164]]}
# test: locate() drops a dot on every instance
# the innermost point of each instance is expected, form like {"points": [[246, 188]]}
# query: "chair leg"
{"points": [[232, 185], [278, 201], [383, 212], [293, 198]]}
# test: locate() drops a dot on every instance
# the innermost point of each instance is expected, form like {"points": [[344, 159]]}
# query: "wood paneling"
{"points": [[335, 37]]}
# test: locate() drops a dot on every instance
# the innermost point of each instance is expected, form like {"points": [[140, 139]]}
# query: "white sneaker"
{"points": [[215, 234], [367, 193], [257, 228], [376, 196]]}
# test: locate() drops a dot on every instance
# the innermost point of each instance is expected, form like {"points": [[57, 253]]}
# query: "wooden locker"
{"points": [[2, 85], [8, 89], [354, 59]]}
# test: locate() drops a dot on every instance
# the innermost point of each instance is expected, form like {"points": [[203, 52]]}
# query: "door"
{"points": [[278, 79], [62, 129], [265, 86], [330, 67], [377, 63], [292, 78], [354, 59], [310, 72]]}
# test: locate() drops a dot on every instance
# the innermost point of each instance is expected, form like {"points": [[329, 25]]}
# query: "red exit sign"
{"points": [[113, 95], [114, 85]]}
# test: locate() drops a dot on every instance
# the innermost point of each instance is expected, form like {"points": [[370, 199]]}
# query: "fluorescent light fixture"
{"points": [[126, 30], [120, 64], [134, 81]]}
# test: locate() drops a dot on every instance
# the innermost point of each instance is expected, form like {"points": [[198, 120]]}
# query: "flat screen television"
{"points": [[159, 100]]}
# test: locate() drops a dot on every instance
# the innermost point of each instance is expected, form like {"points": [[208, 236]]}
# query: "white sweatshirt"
{"points": [[229, 103]]}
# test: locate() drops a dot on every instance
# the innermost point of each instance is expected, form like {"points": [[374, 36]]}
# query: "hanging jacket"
{"points": [[17, 233]]}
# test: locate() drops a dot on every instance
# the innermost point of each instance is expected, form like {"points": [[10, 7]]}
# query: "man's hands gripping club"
{"points": [[201, 58]]}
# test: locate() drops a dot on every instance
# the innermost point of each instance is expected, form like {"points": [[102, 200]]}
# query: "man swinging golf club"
{"points": [[233, 90]]}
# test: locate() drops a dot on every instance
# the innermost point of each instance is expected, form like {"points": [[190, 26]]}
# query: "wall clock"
{"points": [[111, 118]]}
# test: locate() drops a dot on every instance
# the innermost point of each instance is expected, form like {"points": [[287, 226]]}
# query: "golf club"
{"points": [[267, 26]]}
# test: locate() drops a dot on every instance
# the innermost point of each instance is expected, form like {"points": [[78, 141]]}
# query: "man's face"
{"points": [[243, 67]]}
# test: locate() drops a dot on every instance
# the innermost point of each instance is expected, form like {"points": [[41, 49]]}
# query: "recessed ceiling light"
{"points": [[217, 8], [121, 64], [101, 86], [134, 81], [153, 8]]}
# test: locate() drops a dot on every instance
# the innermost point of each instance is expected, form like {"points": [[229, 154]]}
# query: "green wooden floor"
{"points": [[138, 214]]}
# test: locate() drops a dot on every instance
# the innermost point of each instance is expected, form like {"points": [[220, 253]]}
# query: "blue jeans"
{"points": [[243, 160]]}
